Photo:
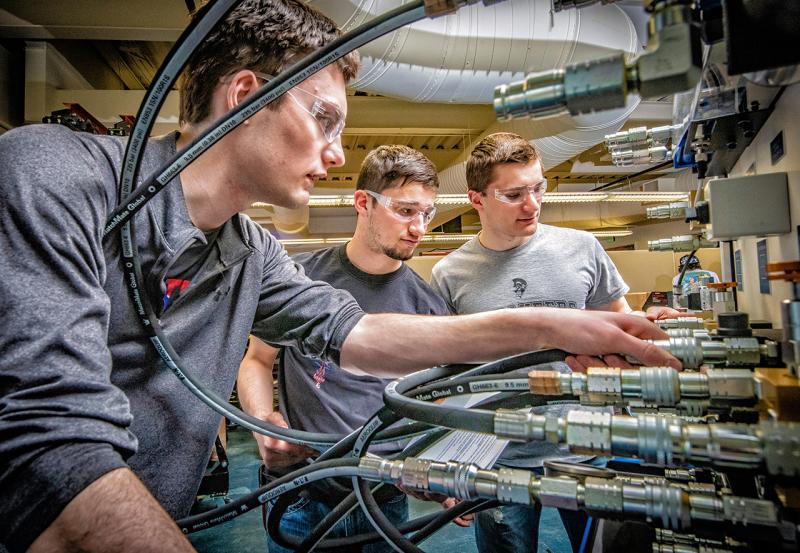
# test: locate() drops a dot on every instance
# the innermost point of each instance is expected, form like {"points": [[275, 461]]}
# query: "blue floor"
{"points": [[246, 533]]}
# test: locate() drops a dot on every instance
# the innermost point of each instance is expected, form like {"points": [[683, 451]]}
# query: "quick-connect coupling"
{"points": [[581, 88], [687, 350], [674, 210], [453, 479], [683, 243], [514, 425], [378, 469], [623, 157], [681, 322], [731, 352], [659, 385], [781, 441], [466, 481], [539, 95], [589, 432], [560, 492]]}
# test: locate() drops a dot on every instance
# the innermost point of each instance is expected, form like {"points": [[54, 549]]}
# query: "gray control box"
{"points": [[755, 205]]}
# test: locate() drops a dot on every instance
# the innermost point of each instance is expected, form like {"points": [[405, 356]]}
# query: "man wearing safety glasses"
{"points": [[516, 262], [393, 200], [102, 446]]}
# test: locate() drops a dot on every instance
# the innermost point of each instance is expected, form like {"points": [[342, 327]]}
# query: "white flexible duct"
{"points": [[460, 58]]}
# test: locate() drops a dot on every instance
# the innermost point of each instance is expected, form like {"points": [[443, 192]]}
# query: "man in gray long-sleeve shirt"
{"points": [[100, 445]]}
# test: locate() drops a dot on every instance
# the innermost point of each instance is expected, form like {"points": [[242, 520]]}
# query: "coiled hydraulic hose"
{"points": [[137, 199]]}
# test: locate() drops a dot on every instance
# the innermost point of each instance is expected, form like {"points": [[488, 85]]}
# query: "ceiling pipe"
{"points": [[460, 58]]}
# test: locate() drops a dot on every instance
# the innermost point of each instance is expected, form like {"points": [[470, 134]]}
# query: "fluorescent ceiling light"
{"points": [[611, 233], [333, 200], [573, 197], [647, 196], [439, 237]]}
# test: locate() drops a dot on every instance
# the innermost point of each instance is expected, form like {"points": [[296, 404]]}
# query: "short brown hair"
{"points": [[496, 149], [262, 35], [386, 165]]}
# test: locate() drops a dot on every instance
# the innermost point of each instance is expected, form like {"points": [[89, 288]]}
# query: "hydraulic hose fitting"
{"points": [[559, 492], [674, 210], [623, 157], [463, 480], [589, 432], [378, 469], [515, 486], [582, 88], [731, 352], [523, 427], [683, 243], [781, 447], [681, 322]]}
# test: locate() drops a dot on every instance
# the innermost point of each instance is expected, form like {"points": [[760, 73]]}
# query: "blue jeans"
{"points": [[515, 528], [302, 515]]}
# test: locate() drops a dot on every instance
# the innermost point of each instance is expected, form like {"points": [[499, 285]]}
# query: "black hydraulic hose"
{"points": [[276, 512], [130, 257], [349, 502], [382, 524], [317, 471], [206, 19], [627, 178], [291, 77], [424, 527], [685, 266], [372, 511], [477, 420], [330, 520], [457, 510], [464, 386], [515, 362]]}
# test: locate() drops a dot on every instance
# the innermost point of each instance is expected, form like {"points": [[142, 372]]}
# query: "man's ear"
{"points": [[476, 199], [360, 199], [242, 84]]}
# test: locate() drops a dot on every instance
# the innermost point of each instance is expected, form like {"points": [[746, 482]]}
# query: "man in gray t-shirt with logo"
{"points": [[517, 262]]}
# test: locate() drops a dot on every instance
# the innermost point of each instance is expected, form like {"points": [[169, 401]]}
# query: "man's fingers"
{"points": [[648, 354], [613, 360], [573, 363]]}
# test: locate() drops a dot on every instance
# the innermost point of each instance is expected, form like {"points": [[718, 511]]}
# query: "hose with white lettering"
{"points": [[135, 200], [317, 471]]}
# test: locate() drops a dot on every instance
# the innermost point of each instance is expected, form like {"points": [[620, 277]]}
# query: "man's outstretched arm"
{"points": [[393, 345]]}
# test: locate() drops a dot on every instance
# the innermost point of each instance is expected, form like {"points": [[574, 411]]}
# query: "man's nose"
{"points": [[333, 154], [532, 201], [418, 224]]}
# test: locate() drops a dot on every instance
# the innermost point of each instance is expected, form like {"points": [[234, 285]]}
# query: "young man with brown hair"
{"points": [[394, 203], [517, 262], [101, 445]]}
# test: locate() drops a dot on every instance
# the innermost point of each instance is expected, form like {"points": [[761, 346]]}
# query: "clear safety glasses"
{"points": [[405, 211], [327, 115], [518, 194]]}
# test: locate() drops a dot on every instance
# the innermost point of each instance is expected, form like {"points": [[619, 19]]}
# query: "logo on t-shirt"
{"points": [[319, 374], [520, 285]]}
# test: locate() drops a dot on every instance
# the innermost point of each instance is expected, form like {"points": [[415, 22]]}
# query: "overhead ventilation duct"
{"points": [[460, 58]]}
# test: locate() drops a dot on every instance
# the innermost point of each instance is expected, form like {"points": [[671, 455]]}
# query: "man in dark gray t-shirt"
{"points": [[394, 204]]}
